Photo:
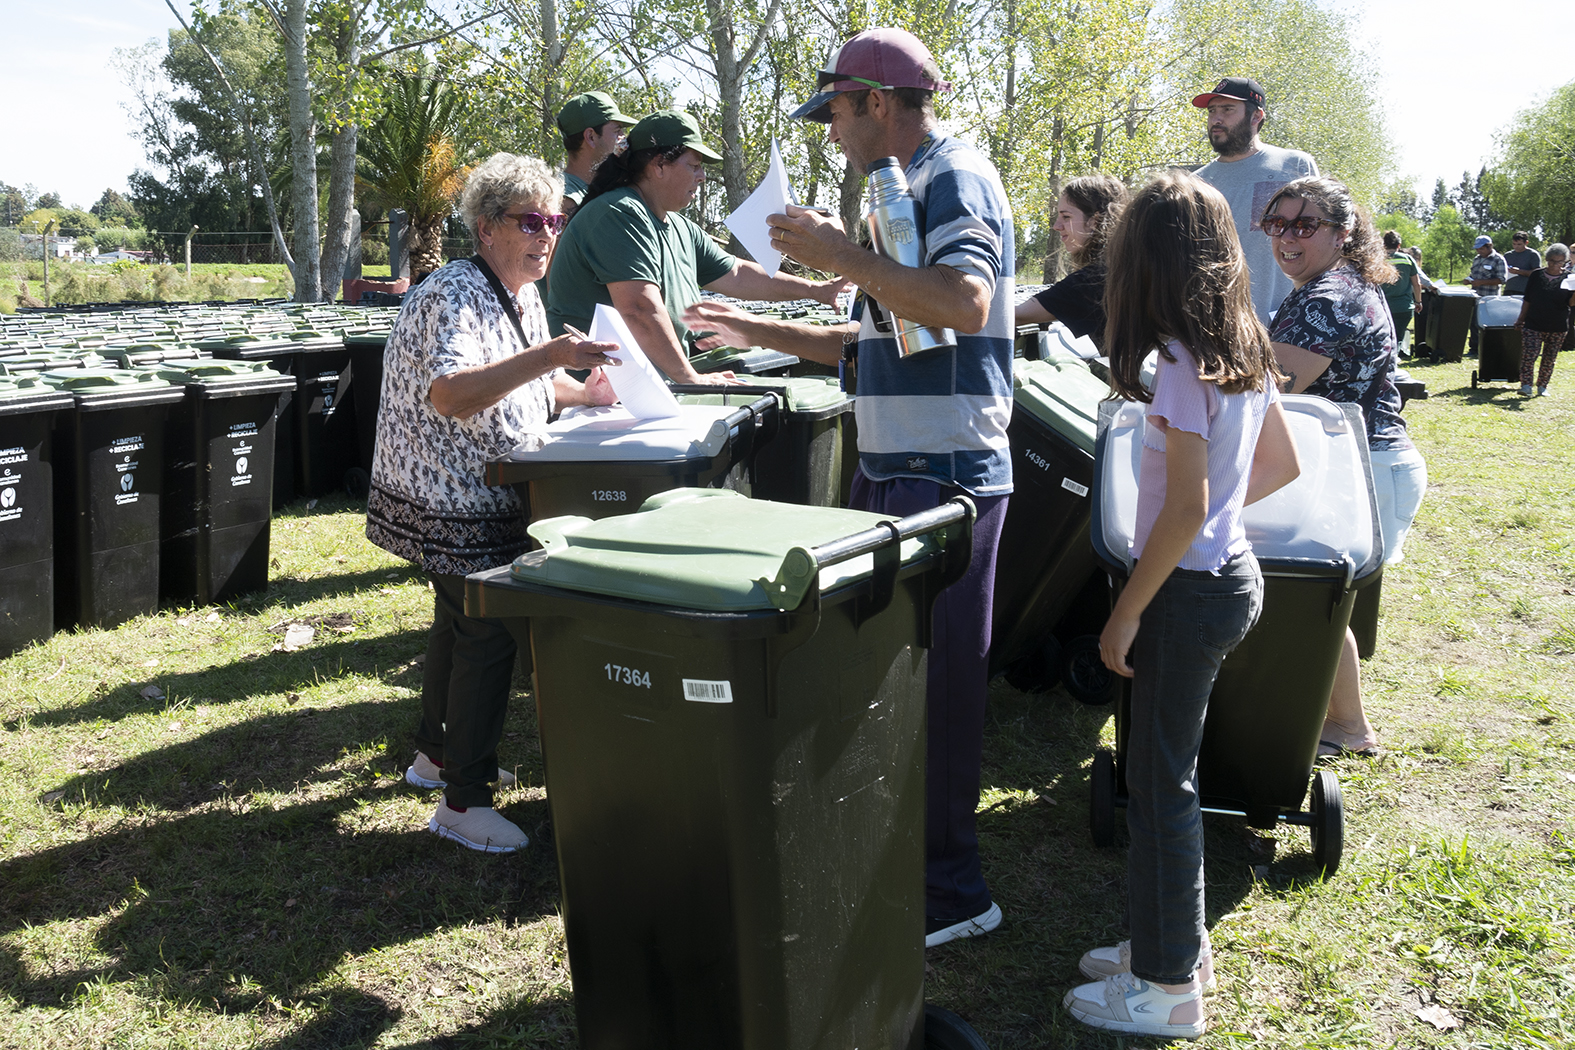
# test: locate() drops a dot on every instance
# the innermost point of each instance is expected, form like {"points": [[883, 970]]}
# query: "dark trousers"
{"points": [[958, 682], [464, 694]]}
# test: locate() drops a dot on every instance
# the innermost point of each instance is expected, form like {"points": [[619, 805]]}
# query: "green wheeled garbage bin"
{"points": [[28, 408], [753, 360], [603, 461], [1318, 541], [803, 463], [217, 506], [107, 503], [731, 699], [1046, 568]]}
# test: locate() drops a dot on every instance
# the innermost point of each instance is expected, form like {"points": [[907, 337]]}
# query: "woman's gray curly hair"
{"points": [[503, 182]]}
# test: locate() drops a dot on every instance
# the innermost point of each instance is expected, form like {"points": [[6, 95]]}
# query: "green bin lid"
{"points": [[1062, 394], [803, 393], [104, 380], [725, 357], [709, 549], [216, 372], [29, 392]]}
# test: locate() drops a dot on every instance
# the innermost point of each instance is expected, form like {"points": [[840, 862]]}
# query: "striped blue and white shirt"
{"points": [[942, 415]]}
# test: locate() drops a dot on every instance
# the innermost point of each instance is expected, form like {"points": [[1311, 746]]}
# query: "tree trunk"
{"points": [[341, 170], [730, 70], [552, 48], [426, 250], [303, 155]]}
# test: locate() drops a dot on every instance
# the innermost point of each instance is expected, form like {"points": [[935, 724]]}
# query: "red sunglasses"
{"points": [[535, 221]]}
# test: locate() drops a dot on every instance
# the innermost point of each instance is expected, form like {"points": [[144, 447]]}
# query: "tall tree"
{"points": [[1532, 182]]}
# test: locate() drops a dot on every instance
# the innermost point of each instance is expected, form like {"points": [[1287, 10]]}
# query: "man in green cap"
{"points": [[592, 126], [629, 247]]}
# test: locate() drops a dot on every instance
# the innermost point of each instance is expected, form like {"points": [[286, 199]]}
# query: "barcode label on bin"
{"points": [[708, 692], [1073, 487]]}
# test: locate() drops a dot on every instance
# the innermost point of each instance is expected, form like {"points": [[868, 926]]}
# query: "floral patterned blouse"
{"points": [[428, 502], [1347, 320]]}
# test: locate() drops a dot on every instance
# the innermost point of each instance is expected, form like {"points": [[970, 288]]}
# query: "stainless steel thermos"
{"points": [[897, 232]]}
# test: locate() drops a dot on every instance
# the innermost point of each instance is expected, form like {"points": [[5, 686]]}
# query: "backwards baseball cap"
{"points": [[590, 110], [876, 58], [1484, 241], [1242, 89], [670, 127]]}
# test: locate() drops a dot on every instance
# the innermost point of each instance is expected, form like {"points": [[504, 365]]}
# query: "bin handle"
{"points": [[763, 415]]}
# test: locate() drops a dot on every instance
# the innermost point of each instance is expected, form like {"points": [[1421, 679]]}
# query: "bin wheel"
{"points": [[1328, 828], [1084, 674], [1473, 379], [1039, 671], [357, 483], [1102, 798], [944, 1030]]}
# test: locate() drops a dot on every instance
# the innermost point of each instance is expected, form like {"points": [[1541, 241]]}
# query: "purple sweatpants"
{"points": [[957, 687]]}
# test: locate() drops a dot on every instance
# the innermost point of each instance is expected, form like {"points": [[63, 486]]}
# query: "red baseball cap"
{"points": [[876, 58]]}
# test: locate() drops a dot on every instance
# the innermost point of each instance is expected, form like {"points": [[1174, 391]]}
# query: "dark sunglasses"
{"points": [[535, 221], [1303, 226]]}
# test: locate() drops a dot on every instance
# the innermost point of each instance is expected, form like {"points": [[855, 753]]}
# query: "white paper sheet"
{"points": [[771, 197], [636, 381], [1568, 284]]}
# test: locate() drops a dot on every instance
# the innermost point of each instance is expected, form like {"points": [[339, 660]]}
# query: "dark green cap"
{"points": [[590, 110], [670, 127]]}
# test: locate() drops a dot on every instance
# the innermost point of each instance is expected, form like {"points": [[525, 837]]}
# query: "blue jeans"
{"points": [[1186, 632]]}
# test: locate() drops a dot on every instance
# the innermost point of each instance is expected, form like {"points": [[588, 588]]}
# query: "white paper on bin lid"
{"points": [[1324, 515], [611, 433], [1498, 311]]}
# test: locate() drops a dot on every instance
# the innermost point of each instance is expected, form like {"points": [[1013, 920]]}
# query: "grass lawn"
{"points": [[205, 840]]}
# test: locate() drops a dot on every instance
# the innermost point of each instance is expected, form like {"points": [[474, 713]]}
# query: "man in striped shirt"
{"points": [[932, 425]]}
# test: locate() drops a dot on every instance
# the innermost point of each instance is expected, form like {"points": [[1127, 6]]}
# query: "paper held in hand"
{"points": [[771, 197], [636, 382]]}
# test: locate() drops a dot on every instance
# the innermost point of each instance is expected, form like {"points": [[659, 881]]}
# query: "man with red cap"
{"points": [[1249, 173], [931, 425]]}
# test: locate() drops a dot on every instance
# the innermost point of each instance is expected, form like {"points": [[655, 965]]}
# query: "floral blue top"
{"points": [[1346, 319]]}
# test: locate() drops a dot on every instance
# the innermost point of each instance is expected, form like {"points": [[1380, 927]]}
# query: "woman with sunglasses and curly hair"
{"points": [[1333, 336], [630, 247], [469, 371]]}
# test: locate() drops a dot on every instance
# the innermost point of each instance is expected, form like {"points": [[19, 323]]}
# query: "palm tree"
{"points": [[409, 160]]}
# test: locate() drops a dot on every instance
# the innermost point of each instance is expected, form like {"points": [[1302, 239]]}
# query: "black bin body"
{"points": [[1449, 318], [326, 442], [107, 515], [742, 874], [803, 463], [366, 362], [27, 513], [596, 489], [1045, 558], [218, 501], [282, 356], [1498, 355]]}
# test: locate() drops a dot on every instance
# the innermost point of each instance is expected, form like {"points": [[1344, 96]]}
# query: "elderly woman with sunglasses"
{"points": [[469, 370], [1333, 336]]}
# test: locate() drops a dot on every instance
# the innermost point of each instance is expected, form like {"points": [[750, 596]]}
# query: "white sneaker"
{"points": [[425, 773], [1099, 963], [1525, 390], [479, 828], [935, 933], [1128, 1004], [1542, 391]]}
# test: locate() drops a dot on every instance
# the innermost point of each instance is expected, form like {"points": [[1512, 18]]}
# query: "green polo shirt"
{"points": [[616, 238]]}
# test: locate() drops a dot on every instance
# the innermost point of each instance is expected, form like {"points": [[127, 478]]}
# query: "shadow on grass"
{"points": [[230, 898], [389, 657]]}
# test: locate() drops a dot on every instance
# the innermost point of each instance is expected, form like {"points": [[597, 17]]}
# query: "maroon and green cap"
{"points": [[876, 58]]}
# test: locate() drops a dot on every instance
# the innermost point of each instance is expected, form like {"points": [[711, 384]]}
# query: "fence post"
{"points": [[50, 225], [188, 251]]}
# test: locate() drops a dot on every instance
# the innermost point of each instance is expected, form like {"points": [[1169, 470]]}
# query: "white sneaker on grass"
{"points": [[937, 932], [1542, 391], [480, 828], [1099, 963], [425, 773], [1133, 1006]]}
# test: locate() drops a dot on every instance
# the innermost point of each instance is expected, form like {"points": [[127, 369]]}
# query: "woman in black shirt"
{"points": [[1085, 210], [1544, 319]]}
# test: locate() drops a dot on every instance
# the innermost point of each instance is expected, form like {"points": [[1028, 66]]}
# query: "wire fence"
{"points": [[232, 247]]}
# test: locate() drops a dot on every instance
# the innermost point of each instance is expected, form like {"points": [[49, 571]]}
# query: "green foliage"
{"points": [[1409, 229], [114, 210], [1533, 183], [10, 244], [1446, 248]]}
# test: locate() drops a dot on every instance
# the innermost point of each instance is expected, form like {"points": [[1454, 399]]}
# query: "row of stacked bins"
{"points": [[1319, 544]]}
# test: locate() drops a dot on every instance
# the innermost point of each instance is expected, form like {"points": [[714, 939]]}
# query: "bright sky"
{"points": [[1455, 72]]}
